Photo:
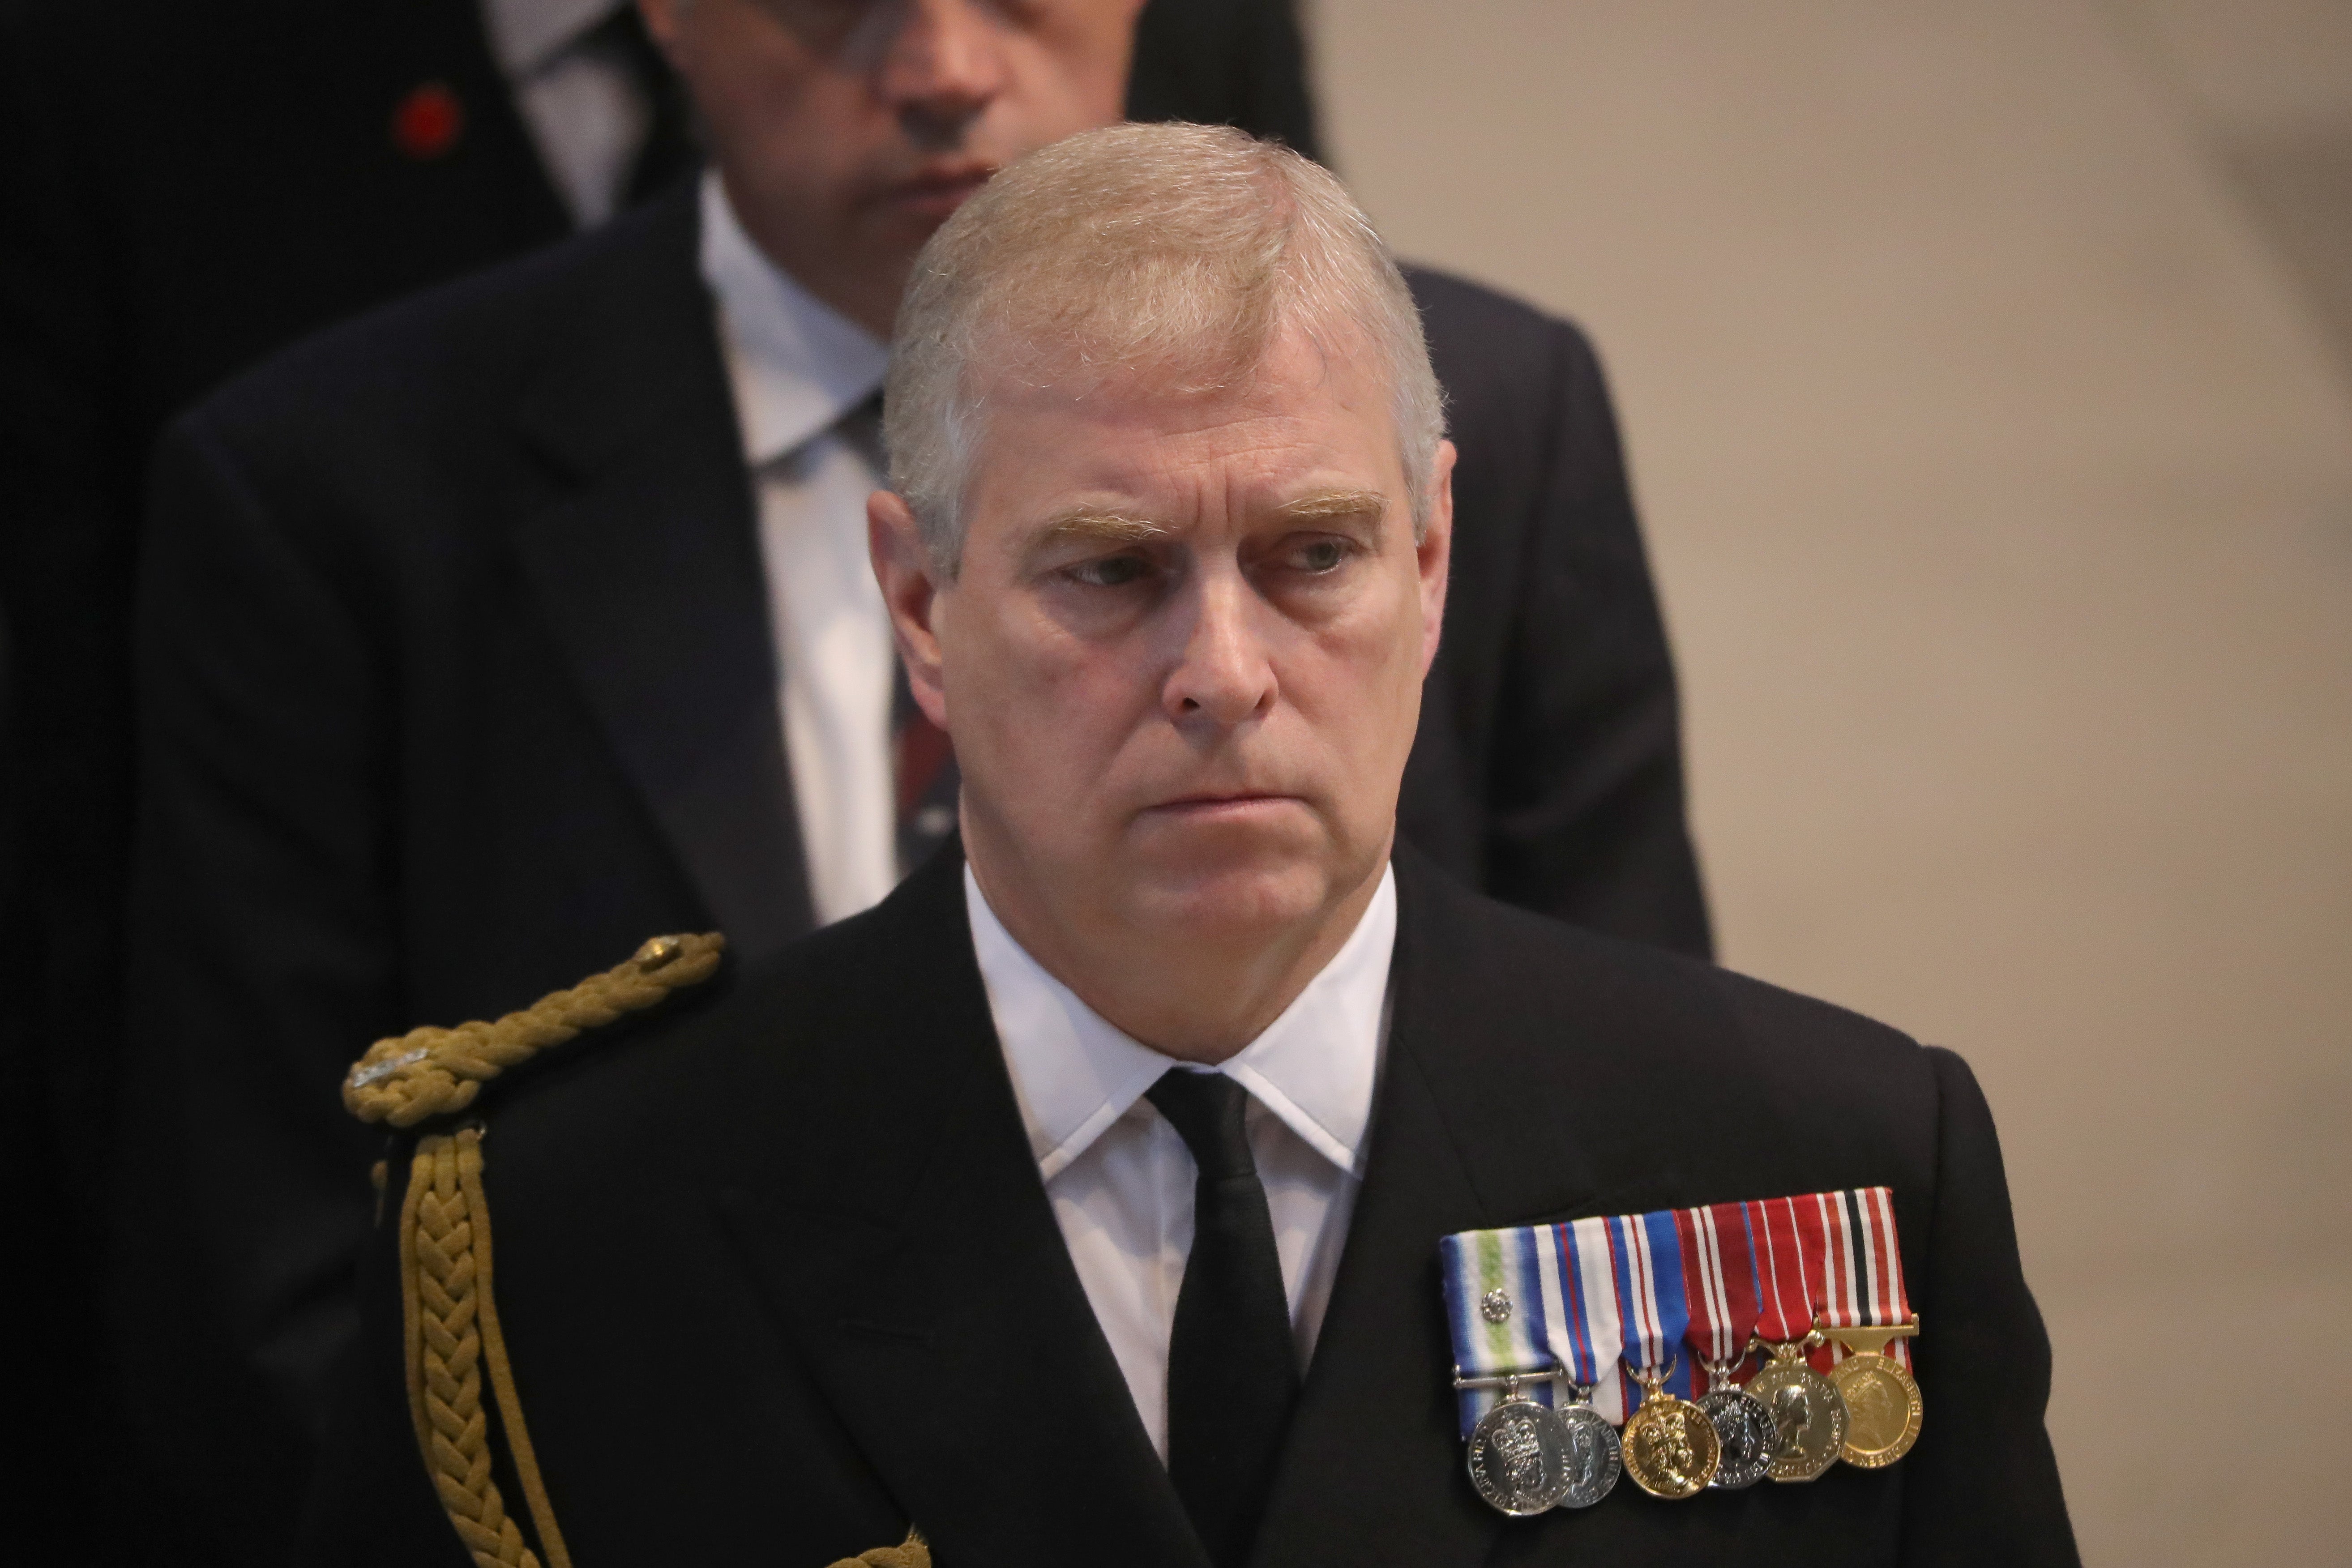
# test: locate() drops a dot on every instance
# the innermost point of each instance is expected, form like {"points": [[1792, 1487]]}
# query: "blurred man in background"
{"points": [[183, 188]]}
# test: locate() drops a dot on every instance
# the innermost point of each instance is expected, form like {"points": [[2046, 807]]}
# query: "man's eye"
{"points": [[1319, 555], [1110, 571]]}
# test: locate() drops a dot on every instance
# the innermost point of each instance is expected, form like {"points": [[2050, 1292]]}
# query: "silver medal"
{"points": [[1520, 1456], [1744, 1427], [1591, 1457]]}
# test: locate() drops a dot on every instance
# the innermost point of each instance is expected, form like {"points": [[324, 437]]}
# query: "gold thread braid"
{"points": [[912, 1552], [494, 1356], [429, 1072], [449, 1313], [440, 1302]]}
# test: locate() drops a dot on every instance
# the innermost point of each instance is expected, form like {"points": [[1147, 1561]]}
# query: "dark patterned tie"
{"points": [[669, 151], [923, 758], [1233, 1367]]}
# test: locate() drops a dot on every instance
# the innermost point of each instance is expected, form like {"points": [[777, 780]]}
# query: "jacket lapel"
{"points": [[643, 559], [1373, 1469], [931, 1294]]}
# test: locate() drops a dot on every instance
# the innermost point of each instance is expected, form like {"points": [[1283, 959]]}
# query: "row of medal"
{"points": [[1809, 1289]]}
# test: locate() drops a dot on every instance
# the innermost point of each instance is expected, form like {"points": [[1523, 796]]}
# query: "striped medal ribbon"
{"points": [[1808, 1416], [1530, 1310], [1867, 1315], [1551, 1324], [1718, 1259], [1670, 1446]]}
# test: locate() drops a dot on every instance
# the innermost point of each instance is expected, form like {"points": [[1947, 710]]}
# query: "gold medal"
{"points": [[1882, 1404], [1671, 1445], [1808, 1412]]}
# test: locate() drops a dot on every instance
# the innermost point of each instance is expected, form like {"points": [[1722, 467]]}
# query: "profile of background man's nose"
{"points": [[943, 66]]}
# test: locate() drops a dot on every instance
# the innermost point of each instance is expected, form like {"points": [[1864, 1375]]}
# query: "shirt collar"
{"points": [[795, 363], [526, 34], [1074, 1074]]}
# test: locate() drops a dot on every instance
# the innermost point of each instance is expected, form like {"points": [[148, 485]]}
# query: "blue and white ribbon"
{"points": [[1646, 1256], [1539, 1301]]}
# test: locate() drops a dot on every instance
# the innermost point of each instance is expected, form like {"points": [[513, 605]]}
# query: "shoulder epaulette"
{"points": [[452, 1340], [449, 1317], [427, 1072]]}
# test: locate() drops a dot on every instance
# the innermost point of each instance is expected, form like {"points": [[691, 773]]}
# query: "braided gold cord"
{"points": [[429, 1072], [440, 1302], [450, 1312], [912, 1552]]}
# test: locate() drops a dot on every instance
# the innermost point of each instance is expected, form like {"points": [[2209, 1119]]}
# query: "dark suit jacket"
{"points": [[778, 1275]]}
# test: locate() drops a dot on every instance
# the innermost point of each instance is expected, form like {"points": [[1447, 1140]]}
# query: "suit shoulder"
{"points": [[1560, 1058], [1686, 1013], [462, 341], [1463, 317], [698, 1081]]}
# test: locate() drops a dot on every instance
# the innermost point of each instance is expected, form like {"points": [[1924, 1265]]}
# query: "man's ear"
{"points": [[1435, 553], [903, 568]]}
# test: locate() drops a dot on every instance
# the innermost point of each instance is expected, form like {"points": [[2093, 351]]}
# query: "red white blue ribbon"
{"points": [[1646, 1252], [1719, 1281], [1786, 1268]]}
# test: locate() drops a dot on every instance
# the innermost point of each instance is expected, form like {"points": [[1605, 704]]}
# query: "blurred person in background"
{"points": [[184, 188]]}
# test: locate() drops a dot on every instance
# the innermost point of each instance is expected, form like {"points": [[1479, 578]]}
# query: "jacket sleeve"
{"points": [[261, 934], [1982, 1484], [1585, 780]]}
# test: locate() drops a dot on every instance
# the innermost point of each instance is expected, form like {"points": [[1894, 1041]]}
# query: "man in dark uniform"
{"points": [[1083, 1201]]}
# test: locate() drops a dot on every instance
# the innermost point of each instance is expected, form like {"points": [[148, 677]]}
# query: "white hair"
{"points": [[1173, 251]]}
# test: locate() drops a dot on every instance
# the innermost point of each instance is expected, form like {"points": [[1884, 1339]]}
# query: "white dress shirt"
{"points": [[582, 105], [797, 368], [1119, 1177]]}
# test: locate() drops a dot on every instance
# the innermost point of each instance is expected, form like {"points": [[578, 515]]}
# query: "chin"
{"points": [[1230, 910], [1219, 892]]}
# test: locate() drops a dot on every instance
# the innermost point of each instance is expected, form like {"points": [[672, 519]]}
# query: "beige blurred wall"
{"points": [[1993, 428]]}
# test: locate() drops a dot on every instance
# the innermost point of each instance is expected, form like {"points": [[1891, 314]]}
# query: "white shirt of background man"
{"points": [[583, 106], [1120, 1178], [797, 367]]}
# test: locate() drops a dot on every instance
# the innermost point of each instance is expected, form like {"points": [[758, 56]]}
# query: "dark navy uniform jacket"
{"points": [[779, 1277]]}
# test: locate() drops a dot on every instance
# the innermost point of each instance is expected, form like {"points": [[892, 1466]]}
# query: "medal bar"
{"points": [[1548, 1321]]}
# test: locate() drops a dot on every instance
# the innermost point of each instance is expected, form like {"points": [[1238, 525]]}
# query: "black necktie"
{"points": [[1233, 1370]]}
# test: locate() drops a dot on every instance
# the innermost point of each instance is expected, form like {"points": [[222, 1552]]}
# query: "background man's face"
{"points": [[1183, 660], [846, 130]]}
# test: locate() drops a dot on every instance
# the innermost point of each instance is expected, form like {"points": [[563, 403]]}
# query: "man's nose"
{"points": [[1222, 675], [945, 65]]}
